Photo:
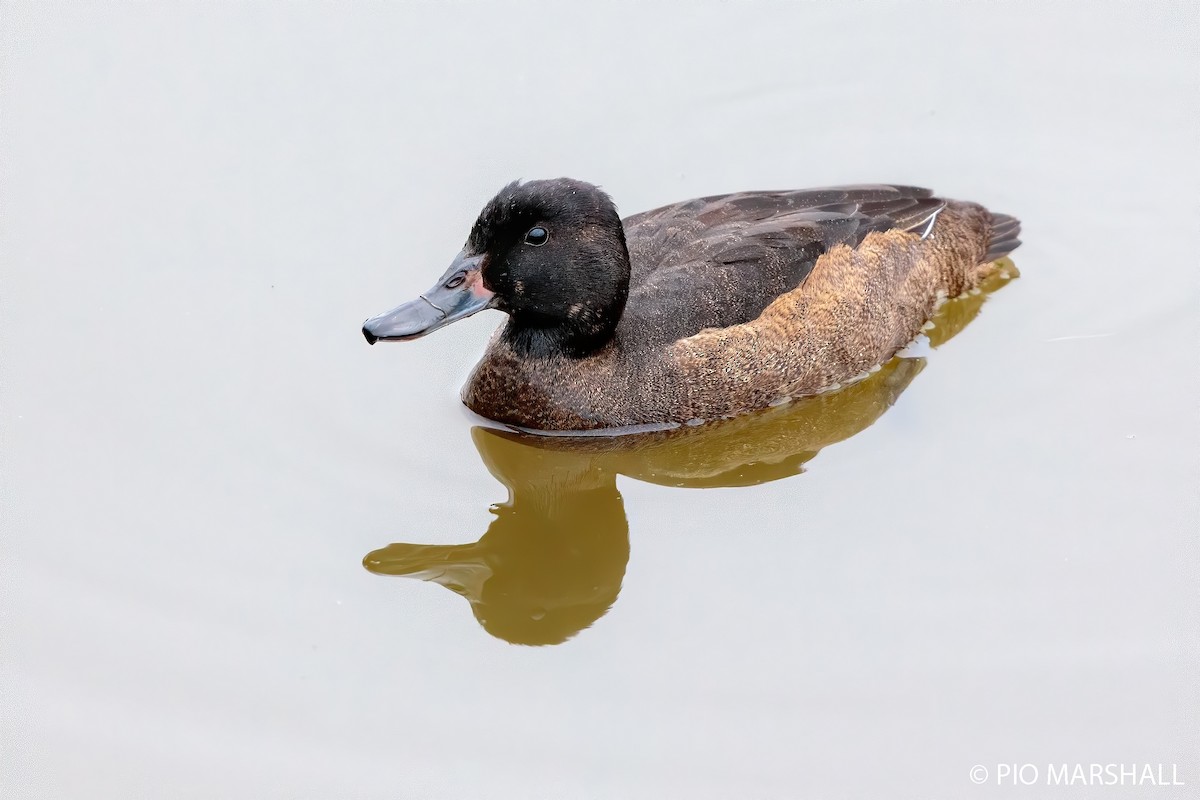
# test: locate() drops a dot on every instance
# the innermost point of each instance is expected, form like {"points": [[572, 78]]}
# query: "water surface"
{"points": [[984, 554]]}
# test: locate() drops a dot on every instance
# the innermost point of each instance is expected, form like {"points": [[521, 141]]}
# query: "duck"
{"points": [[701, 310]]}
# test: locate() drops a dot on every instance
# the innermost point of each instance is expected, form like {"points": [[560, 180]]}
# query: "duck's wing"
{"points": [[719, 261]]}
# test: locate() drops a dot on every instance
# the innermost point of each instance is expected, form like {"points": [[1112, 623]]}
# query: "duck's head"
{"points": [[551, 254]]}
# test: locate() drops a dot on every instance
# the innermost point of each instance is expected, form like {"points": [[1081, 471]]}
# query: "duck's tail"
{"points": [[1002, 236]]}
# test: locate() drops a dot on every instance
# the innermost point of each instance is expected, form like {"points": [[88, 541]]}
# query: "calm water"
{"points": [[985, 554]]}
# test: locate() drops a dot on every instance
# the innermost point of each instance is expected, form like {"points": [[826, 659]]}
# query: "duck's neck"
{"points": [[581, 334]]}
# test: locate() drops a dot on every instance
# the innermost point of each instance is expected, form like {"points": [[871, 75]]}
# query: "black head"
{"points": [[551, 254], [555, 257]]}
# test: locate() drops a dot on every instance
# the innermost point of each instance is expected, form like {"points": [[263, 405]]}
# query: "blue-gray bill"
{"points": [[460, 293]]}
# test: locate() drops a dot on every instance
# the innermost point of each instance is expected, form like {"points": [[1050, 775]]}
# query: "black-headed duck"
{"points": [[700, 310]]}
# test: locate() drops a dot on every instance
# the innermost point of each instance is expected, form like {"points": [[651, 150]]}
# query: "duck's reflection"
{"points": [[552, 561]]}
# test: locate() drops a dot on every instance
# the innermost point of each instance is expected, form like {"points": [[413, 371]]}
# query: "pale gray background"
{"points": [[201, 202]]}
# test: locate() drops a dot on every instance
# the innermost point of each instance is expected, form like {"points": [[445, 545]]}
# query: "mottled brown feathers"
{"points": [[719, 261], [739, 301], [855, 311]]}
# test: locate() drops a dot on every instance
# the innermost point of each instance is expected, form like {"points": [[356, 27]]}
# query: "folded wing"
{"points": [[719, 261]]}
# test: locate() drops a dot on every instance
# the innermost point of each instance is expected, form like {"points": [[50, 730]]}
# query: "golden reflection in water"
{"points": [[552, 561]]}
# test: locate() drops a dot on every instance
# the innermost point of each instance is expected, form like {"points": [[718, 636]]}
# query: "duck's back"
{"points": [[719, 261]]}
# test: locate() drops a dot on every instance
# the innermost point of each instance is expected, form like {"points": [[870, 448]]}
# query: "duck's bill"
{"points": [[460, 293]]}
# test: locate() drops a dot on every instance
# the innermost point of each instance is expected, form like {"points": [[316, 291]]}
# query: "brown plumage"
{"points": [[699, 310]]}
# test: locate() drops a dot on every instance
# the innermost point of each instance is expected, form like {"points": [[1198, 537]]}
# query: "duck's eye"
{"points": [[456, 281], [537, 236]]}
